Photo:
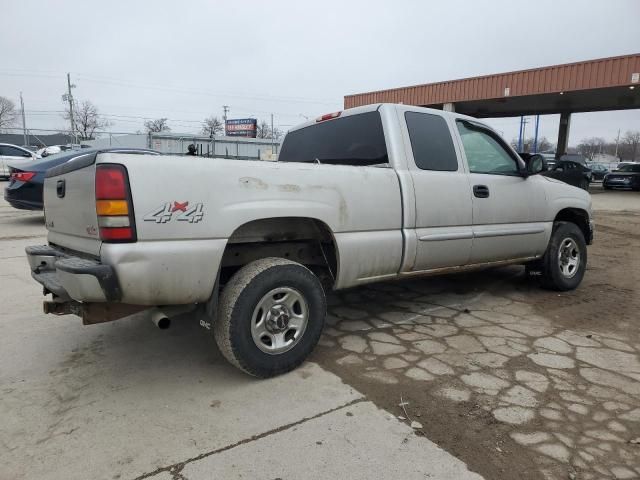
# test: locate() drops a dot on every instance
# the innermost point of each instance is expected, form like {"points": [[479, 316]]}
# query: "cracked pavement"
{"points": [[497, 376]]}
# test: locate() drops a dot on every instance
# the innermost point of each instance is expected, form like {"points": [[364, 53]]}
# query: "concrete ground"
{"points": [[128, 401], [502, 378]]}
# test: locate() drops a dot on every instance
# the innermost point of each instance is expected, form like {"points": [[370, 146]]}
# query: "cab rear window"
{"points": [[352, 140]]}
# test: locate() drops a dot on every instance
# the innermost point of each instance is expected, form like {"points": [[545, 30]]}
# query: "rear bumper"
{"points": [[26, 196], [71, 277], [23, 204]]}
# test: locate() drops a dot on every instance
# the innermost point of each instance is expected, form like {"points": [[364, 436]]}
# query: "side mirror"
{"points": [[536, 164]]}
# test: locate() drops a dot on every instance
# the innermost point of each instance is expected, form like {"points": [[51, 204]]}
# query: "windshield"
{"points": [[630, 168]]}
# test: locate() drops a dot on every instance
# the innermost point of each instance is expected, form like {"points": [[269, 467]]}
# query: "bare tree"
{"points": [[590, 146], [212, 126], [631, 140], [527, 144], [263, 130], [157, 126], [8, 112], [87, 119]]}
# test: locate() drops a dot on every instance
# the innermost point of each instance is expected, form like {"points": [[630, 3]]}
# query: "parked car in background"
{"points": [[619, 165], [25, 187], [566, 171], [571, 172], [598, 171], [627, 176], [14, 155], [574, 157]]}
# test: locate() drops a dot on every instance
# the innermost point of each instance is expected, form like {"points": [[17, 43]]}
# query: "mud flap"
{"points": [[208, 311]]}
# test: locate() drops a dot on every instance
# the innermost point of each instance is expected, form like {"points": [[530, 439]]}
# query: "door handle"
{"points": [[481, 191], [60, 188]]}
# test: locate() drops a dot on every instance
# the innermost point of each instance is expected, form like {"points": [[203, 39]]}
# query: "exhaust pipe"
{"points": [[160, 319]]}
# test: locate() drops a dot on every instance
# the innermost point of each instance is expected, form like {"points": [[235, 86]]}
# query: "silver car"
{"points": [[15, 156]]}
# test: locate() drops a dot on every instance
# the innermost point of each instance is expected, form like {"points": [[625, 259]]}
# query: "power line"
{"points": [[191, 91]]}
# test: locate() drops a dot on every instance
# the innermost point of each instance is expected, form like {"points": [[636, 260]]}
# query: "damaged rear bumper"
{"points": [[70, 277]]}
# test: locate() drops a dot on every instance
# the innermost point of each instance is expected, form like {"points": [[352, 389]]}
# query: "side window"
{"points": [[485, 154], [431, 142], [14, 152]]}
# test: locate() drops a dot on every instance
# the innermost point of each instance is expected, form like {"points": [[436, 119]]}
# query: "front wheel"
{"points": [[270, 317], [565, 260]]}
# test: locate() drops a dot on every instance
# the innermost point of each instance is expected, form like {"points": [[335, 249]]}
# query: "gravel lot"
{"points": [[515, 381]]}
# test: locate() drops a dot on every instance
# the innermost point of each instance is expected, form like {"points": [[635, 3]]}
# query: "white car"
{"points": [[15, 156], [374, 193]]}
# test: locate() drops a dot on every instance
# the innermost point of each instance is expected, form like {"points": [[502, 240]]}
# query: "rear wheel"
{"points": [[565, 260], [270, 317]]}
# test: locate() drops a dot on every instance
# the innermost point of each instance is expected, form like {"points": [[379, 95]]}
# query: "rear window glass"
{"points": [[353, 140], [431, 142]]}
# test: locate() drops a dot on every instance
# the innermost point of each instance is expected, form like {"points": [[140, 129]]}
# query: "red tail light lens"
{"points": [[113, 204], [22, 176], [116, 234], [111, 183]]}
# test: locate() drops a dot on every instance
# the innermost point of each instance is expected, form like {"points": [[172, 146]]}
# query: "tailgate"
{"points": [[70, 208]]}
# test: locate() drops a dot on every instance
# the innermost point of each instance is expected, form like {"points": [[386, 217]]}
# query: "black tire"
{"points": [[606, 187], [552, 276], [584, 184], [239, 301]]}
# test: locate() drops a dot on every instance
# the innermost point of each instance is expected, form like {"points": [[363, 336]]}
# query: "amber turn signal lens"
{"points": [[112, 207]]}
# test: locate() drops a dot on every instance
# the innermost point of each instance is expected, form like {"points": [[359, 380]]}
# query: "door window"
{"points": [[431, 142], [484, 153], [13, 152]]}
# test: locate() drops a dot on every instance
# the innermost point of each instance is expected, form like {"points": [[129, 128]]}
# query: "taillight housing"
{"points": [[114, 207], [22, 176]]}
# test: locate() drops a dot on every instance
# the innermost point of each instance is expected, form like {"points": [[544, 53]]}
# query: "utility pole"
{"points": [[272, 139], [617, 142], [68, 97], [24, 124], [535, 138], [225, 110], [521, 138]]}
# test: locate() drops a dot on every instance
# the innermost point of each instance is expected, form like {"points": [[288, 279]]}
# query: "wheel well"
{"points": [[304, 240], [578, 217]]}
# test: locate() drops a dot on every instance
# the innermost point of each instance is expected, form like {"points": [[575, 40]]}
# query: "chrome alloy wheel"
{"points": [[279, 320], [568, 257]]}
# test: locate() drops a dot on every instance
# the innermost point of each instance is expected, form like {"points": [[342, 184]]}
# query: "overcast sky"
{"points": [[184, 60]]}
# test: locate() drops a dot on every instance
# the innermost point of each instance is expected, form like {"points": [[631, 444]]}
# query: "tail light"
{"points": [[113, 204], [22, 176]]}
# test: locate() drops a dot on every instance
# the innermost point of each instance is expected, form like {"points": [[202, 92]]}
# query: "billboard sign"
{"points": [[241, 127]]}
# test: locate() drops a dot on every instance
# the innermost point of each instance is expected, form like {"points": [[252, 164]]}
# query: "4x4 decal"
{"points": [[179, 211]]}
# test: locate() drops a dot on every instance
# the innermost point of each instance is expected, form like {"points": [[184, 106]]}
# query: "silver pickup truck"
{"points": [[369, 194]]}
